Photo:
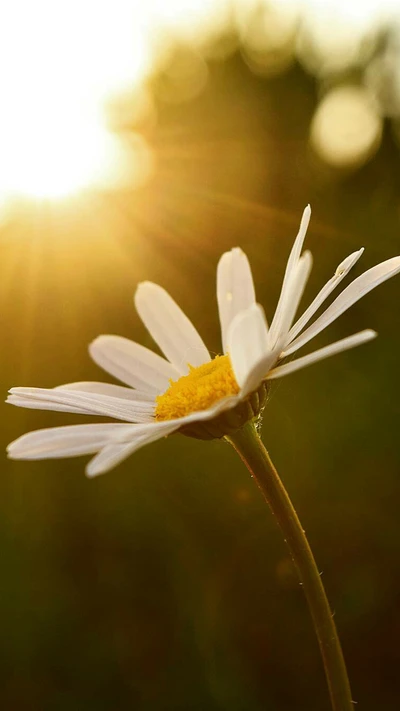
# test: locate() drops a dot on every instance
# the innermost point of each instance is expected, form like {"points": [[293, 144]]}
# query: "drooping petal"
{"points": [[82, 402], [340, 273], [69, 441], [343, 345], [133, 364], [235, 289], [108, 389], [171, 329], [291, 266], [355, 291], [115, 452], [248, 348]]}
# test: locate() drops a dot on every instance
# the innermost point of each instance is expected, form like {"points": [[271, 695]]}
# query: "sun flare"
{"points": [[63, 60]]}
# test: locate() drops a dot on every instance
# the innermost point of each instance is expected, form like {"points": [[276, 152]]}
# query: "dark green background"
{"points": [[165, 585]]}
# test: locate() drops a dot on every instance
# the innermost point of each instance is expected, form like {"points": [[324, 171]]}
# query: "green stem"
{"points": [[256, 458]]}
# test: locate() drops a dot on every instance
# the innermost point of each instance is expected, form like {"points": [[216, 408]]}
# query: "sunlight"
{"points": [[54, 157], [63, 60], [346, 128]]}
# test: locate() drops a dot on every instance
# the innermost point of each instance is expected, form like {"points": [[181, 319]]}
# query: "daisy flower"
{"points": [[188, 390]]}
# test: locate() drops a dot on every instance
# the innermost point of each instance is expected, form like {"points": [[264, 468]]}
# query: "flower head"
{"points": [[188, 391]]}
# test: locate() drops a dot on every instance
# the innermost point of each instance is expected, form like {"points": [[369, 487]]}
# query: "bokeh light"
{"points": [[346, 128], [62, 63], [267, 34]]}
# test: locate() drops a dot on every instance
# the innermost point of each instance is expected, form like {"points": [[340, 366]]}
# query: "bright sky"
{"points": [[61, 60]]}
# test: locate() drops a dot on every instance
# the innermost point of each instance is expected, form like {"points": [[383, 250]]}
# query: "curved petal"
{"points": [[82, 402], [108, 389], [290, 304], [235, 289], [133, 364], [70, 441], [31, 404], [290, 268], [226, 403], [114, 442], [171, 329], [248, 348], [355, 291], [259, 372], [114, 453], [343, 345], [340, 273]]}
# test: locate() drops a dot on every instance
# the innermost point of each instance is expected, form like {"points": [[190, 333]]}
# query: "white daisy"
{"points": [[188, 390]]}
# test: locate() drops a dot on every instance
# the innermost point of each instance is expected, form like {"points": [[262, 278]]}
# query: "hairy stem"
{"points": [[256, 458]]}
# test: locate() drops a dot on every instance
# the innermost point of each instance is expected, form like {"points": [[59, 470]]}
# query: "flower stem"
{"points": [[256, 458]]}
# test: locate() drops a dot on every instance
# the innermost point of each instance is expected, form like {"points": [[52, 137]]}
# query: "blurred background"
{"points": [[139, 141]]}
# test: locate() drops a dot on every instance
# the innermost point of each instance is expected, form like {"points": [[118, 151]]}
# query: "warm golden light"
{"points": [[336, 34], [346, 128], [63, 60], [267, 32]]}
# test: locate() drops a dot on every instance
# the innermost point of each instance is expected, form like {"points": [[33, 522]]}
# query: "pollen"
{"points": [[199, 390]]}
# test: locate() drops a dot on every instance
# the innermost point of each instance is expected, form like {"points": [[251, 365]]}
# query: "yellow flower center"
{"points": [[198, 390]]}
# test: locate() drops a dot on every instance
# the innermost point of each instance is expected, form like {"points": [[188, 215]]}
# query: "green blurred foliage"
{"points": [[165, 585]]}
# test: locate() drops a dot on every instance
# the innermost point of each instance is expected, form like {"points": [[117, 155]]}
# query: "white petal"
{"points": [[114, 442], [337, 347], [133, 364], [340, 273], [358, 288], [294, 292], [85, 403], [247, 343], [171, 329], [141, 435], [258, 372], [108, 389], [291, 266], [114, 453], [235, 289], [31, 404], [70, 441]]}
